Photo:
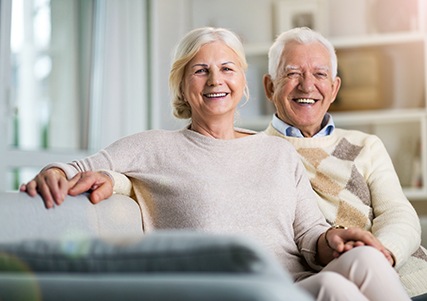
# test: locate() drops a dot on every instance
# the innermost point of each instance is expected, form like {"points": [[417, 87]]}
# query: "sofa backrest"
{"points": [[23, 217]]}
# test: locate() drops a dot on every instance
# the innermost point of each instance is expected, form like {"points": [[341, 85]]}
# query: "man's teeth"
{"points": [[216, 95], [305, 100]]}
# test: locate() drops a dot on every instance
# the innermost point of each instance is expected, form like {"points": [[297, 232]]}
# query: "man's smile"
{"points": [[305, 100]]}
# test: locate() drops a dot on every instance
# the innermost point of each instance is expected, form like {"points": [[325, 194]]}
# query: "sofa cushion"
{"points": [[171, 251]]}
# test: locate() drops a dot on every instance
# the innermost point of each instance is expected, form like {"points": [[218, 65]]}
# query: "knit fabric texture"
{"points": [[357, 186], [253, 186]]}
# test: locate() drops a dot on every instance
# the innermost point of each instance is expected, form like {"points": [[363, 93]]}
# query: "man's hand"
{"points": [[335, 242]]}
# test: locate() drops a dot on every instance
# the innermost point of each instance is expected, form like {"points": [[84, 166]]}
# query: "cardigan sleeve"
{"points": [[395, 222]]}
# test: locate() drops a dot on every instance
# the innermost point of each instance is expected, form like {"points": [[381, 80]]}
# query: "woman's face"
{"points": [[214, 82]]}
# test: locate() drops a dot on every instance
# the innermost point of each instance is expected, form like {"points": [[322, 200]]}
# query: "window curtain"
{"points": [[119, 105]]}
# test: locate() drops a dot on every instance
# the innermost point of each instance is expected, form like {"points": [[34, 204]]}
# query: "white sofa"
{"points": [[81, 251]]}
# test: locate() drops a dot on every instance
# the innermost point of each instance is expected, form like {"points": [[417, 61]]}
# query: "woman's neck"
{"points": [[223, 131]]}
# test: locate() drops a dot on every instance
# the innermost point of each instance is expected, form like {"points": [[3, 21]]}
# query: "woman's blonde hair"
{"points": [[186, 50]]}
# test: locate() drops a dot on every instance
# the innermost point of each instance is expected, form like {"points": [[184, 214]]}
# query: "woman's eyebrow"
{"points": [[228, 62], [206, 65], [199, 65]]}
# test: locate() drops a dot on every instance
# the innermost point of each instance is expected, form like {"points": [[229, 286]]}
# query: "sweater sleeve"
{"points": [[395, 221], [122, 184], [114, 161], [309, 221], [98, 161]]}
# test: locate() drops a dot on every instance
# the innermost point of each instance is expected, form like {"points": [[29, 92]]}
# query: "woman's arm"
{"points": [[57, 180]]}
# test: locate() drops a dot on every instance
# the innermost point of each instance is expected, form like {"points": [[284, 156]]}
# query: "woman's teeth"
{"points": [[213, 95]]}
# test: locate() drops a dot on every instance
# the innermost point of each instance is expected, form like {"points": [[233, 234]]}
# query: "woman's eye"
{"points": [[200, 71]]}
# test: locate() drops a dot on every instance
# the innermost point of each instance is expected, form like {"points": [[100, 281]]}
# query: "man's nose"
{"points": [[306, 83]]}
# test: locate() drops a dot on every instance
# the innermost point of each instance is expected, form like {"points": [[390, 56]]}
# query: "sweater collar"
{"points": [[328, 126]]}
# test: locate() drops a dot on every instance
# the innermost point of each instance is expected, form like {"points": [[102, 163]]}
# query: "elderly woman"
{"points": [[213, 177]]}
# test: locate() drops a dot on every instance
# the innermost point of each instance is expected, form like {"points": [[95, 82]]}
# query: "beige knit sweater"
{"points": [[253, 186], [353, 174]]}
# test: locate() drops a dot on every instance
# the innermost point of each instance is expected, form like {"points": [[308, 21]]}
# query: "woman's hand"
{"points": [[99, 184], [53, 186]]}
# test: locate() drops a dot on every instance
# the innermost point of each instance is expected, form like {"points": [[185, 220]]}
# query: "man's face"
{"points": [[303, 89]]}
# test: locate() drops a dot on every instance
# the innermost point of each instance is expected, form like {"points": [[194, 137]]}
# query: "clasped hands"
{"points": [[53, 186], [340, 240]]}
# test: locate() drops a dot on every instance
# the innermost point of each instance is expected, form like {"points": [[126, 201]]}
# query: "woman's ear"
{"points": [[182, 93], [268, 86]]}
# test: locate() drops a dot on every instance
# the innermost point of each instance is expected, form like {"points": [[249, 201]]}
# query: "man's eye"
{"points": [[227, 69], [321, 75], [293, 74]]}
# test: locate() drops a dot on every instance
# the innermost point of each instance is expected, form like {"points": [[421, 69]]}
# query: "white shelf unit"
{"points": [[399, 115]]}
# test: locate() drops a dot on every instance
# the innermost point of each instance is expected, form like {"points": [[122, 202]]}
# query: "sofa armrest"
{"points": [[175, 265], [23, 217]]}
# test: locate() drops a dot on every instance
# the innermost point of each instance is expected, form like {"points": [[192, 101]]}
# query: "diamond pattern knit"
{"points": [[358, 187]]}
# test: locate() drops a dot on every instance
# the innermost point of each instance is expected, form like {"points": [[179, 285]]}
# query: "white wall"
{"points": [[170, 21]]}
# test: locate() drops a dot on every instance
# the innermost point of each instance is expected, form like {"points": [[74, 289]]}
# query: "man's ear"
{"points": [[335, 88], [268, 87]]}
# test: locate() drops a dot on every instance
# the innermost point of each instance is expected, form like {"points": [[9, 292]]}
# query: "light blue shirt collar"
{"points": [[328, 127]]}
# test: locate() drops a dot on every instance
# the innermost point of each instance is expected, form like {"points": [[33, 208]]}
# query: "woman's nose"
{"points": [[214, 78]]}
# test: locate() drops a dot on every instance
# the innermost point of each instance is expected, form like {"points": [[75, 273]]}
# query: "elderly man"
{"points": [[350, 171]]}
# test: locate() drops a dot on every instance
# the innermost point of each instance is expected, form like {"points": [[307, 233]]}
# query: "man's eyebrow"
{"points": [[293, 67], [325, 68]]}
